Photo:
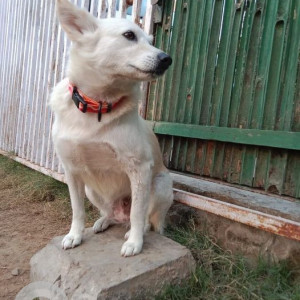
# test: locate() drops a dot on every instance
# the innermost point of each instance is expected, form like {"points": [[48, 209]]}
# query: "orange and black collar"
{"points": [[87, 104]]}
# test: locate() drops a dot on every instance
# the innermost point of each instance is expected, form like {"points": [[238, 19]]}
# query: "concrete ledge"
{"points": [[96, 270], [270, 204], [239, 238]]}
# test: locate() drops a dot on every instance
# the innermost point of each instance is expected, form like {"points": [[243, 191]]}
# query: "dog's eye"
{"points": [[130, 35]]}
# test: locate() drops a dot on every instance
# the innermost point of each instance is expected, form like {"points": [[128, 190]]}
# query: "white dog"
{"points": [[109, 153]]}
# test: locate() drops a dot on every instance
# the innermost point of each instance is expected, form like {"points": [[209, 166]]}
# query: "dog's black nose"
{"points": [[164, 59]]}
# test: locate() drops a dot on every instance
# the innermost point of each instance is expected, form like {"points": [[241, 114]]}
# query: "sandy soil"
{"points": [[25, 227]]}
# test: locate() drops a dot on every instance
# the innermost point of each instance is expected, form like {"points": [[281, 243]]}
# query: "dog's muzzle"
{"points": [[164, 61]]}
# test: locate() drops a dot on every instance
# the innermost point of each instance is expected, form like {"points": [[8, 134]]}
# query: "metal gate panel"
{"points": [[33, 55], [229, 106]]}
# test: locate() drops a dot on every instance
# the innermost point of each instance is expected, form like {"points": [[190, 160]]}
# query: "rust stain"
{"points": [[209, 158], [263, 221], [260, 183], [239, 165], [289, 230]]}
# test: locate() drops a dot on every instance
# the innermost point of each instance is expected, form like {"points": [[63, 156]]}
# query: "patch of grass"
{"points": [[27, 181], [222, 275], [29, 185]]}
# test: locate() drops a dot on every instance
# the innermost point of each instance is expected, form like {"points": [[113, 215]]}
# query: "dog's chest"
{"points": [[87, 155]]}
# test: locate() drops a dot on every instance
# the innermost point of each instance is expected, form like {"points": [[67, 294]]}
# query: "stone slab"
{"points": [[96, 270]]}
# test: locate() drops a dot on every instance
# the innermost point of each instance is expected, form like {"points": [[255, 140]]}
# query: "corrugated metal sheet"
{"points": [[33, 55], [235, 83], [236, 66]]}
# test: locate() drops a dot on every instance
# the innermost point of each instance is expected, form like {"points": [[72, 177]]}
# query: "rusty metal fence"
{"points": [[229, 107], [33, 55]]}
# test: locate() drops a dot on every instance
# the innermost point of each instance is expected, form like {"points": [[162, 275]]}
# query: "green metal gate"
{"points": [[229, 107]]}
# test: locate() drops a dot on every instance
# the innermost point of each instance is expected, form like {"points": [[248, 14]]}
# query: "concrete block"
{"points": [[238, 238], [96, 270]]}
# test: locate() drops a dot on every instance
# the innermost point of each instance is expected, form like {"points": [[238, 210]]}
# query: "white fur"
{"points": [[120, 156]]}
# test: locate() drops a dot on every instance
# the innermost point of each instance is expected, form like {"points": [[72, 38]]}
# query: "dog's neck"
{"points": [[109, 93]]}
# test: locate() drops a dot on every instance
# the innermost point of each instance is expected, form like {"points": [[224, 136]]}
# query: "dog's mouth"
{"points": [[154, 73]]}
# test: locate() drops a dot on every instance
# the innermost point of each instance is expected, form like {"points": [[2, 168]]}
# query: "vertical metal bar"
{"points": [[264, 64], [190, 56], [45, 86], [211, 62], [184, 92], [212, 59], [237, 154], [42, 71], [51, 154], [222, 61], [136, 11], [249, 155], [93, 7], [226, 33], [165, 39], [10, 62], [2, 50], [112, 8], [34, 95], [269, 20], [40, 101], [188, 98], [5, 68], [198, 147], [32, 83], [29, 80], [16, 80], [148, 19], [278, 160], [173, 77], [44, 154], [292, 175], [24, 65], [102, 9], [123, 6], [288, 90], [155, 85], [8, 72]]}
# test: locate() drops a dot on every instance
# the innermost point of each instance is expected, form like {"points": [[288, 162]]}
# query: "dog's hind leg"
{"points": [[105, 210], [76, 189], [160, 201]]}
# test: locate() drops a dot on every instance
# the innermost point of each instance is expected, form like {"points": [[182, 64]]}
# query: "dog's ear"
{"points": [[73, 20]]}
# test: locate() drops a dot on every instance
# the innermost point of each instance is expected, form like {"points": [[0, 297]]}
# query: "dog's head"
{"points": [[116, 47]]}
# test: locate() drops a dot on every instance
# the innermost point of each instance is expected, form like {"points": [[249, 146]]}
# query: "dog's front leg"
{"points": [[76, 189], [140, 178]]}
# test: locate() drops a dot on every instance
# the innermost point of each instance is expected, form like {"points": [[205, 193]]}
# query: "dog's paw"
{"points": [[71, 241], [131, 248], [101, 224]]}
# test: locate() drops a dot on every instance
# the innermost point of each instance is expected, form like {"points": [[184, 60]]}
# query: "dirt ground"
{"points": [[25, 227]]}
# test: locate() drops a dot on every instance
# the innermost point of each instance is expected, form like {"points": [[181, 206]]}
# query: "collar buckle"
{"points": [[109, 107], [76, 97], [100, 112]]}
